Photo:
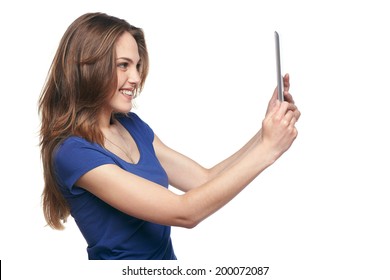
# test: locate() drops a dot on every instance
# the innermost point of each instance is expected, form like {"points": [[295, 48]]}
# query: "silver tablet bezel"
{"points": [[278, 68]]}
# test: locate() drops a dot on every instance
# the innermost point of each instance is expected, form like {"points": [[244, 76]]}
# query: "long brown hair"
{"points": [[82, 78]]}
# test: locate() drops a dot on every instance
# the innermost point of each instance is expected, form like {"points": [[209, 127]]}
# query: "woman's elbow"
{"points": [[187, 222], [188, 214], [188, 217], [191, 223]]}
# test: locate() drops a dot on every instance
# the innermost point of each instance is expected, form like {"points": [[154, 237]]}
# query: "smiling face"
{"points": [[127, 68]]}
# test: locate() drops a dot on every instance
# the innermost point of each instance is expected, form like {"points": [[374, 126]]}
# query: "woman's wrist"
{"points": [[264, 153]]}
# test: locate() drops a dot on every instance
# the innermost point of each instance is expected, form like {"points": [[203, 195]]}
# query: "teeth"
{"points": [[127, 92]]}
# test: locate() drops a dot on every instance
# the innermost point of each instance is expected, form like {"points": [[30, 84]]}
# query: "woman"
{"points": [[106, 167]]}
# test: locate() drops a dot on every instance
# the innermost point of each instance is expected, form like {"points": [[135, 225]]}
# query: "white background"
{"points": [[321, 212]]}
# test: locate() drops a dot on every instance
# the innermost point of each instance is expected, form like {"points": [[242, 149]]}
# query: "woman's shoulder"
{"points": [[76, 147], [129, 118], [133, 123], [74, 142], [78, 153]]}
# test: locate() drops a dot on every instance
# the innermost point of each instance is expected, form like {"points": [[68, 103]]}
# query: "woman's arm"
{"points": [[146, 200], [185, 174]]}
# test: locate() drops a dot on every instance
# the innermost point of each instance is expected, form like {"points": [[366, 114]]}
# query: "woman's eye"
{"points": [[123, 65]]}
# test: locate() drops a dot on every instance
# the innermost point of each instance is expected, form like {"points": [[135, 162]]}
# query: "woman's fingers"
{"points": [[286, 83]]}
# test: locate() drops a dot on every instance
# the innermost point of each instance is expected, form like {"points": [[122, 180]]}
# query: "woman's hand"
{"points": [[287, 97], [278, 127]]}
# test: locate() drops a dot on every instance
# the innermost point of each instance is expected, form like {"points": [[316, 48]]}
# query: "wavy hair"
{"points": [[82, 78]]}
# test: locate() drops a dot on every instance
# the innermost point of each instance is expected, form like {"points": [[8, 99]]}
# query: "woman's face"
{"points": [[127, 65]]}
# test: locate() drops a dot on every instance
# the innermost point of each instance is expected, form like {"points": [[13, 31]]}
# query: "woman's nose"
{"points": [[134, 77]]}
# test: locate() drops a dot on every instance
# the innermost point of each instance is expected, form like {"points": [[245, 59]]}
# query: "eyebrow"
{"points": [[128, 59]]}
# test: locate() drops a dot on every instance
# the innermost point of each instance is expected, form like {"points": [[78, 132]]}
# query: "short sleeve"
{"points": [[75, 157]]}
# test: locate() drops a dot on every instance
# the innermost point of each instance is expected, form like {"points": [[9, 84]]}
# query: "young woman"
{"points": [[106, 167]]}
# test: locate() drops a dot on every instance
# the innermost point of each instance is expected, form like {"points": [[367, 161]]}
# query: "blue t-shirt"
{"points": [[110, 233]]}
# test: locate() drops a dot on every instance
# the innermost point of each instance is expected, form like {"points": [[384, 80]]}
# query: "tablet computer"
{"points": [[278, 68]]}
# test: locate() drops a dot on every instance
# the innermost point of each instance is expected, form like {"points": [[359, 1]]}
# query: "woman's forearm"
{"points": [[203, 201], [218, 168]]}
